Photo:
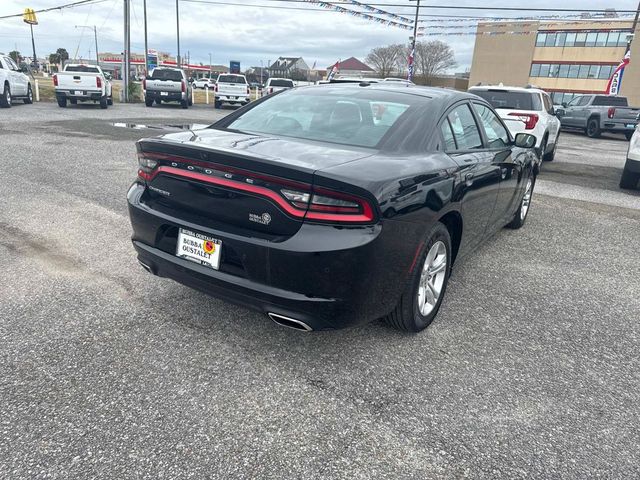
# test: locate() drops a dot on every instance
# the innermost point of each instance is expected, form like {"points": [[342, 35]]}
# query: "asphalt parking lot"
{"points": [[531, 369]]}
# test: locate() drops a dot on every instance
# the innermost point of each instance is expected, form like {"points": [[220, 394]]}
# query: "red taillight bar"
{"points": [[184, 86], [98, 82], [55, 80], [611, 112], [530, 119], [326, 213]]}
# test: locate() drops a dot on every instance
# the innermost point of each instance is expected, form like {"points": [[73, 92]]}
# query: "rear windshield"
{"points": [[510, 100], [164, 74], [330, 115], [281, 83], [81, 68], [606, 101], [231, 79]]}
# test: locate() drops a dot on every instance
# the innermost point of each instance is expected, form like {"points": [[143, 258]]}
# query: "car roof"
{"points": [[419, 90], [507, 88]]}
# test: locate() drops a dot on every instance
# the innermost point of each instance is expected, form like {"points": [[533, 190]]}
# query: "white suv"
{"points": [[532, 109], [13, 83]]}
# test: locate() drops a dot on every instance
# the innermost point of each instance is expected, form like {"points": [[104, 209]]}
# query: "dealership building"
{"points": [[564, 58]]}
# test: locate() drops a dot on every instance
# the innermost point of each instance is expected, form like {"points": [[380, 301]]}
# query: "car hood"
{"points": [[301, 154]]}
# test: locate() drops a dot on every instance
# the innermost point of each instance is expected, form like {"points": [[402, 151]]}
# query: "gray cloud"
{"points": [[240, 33]]}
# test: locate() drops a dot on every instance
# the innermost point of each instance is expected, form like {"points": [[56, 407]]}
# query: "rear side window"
{"points": [[465, 129], [231, 79], [447, 134], [81, 69], [497, 135], [171, 75], [606, 101], [509, 100], [281, 83]]}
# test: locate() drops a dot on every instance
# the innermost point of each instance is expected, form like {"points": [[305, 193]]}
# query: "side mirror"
{"points": [[23, 69], [108, 76], [565, 104], [525, 140]]}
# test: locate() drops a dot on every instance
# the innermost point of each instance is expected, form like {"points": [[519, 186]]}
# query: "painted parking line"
{"points": [[586, 194]]}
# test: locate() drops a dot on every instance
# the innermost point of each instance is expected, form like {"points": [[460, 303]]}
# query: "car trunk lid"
{"points": [[236, 182]]}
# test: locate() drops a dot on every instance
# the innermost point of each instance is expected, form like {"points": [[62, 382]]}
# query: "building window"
{"points": [[564, 70], [601, 41], [541, 39], [535, 70]]}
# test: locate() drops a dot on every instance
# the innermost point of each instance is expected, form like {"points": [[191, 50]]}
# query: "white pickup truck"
{"points": [[231, 88], [167, 84], [83, 83]]}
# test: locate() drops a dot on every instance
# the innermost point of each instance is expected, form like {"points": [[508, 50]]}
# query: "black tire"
{"points": [[110, 100], [628, 135], [149, 101], [190, 102], [629, 180], [5, 99], [62, 102], [158, 101], [549, 157], [29, 98], [185, 104], [104, 103], [519, 218], [73, 101], [217, 104], [406, 315], [593, 128]]}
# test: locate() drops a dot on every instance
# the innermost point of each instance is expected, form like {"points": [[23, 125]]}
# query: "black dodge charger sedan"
{"points": [[329, 206]]}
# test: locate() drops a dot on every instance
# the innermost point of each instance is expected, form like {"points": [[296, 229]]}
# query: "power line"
{"points": [[524, 9], [59, 7]]}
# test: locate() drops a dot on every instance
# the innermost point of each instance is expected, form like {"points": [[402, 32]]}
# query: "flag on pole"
{"points": [[615, 82], [334, 70], [411, 55]]}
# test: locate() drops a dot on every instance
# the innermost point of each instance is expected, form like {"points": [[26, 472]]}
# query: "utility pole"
{"points": [[178, 32], [33, 44], [633, 29], [126, 57], [146, 44], [413, 43], [95, 36], [210, 67]]}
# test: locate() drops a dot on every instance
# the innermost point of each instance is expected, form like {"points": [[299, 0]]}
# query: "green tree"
{"points": [[59, 57], [15, 55]]}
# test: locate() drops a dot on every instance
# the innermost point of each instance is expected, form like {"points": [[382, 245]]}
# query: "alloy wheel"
{"points": [[432, 278], [526, 200], [7, 94]]}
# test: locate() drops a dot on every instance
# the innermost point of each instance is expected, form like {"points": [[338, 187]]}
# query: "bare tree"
{"points": [[433, 58], [385, 60]]}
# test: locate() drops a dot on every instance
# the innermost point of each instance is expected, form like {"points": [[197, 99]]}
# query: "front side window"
{"points": [[584, 100], [465, 129], [497, 135]]}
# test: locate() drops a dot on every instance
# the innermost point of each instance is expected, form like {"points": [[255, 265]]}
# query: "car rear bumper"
{"points": [[619, 127], [169, 97], [324, 276], [632, 165], [233, 98], [79, 94]]}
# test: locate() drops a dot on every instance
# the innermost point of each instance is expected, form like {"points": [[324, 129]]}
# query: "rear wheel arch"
{"points": [[454, 224]]}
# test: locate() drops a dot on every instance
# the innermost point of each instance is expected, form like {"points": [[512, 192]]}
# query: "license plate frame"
{"points": [[199, 248], [164, 94]]}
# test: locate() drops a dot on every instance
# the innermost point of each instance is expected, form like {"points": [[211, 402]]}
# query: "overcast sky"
{"points": [[245, 33]]}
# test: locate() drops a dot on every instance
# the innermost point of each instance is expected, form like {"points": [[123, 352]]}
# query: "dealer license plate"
{"points": [[164, 93], [199, 248], [631, 125]]}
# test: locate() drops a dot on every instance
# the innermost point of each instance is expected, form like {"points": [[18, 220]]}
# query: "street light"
{"points": [[95, 35]]}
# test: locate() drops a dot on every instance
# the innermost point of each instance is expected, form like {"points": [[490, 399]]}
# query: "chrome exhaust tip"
{"points": [[146, 267], [289, 322]]}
